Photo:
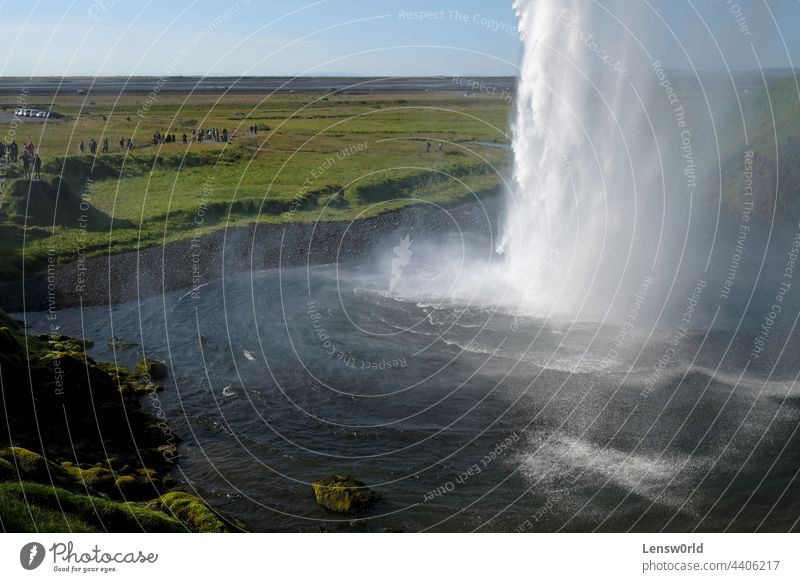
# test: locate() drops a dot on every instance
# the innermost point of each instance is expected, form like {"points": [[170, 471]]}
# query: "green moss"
{"points": [[33, 507], [31, 466], [343, 494], [192, 511], [96, 479]]}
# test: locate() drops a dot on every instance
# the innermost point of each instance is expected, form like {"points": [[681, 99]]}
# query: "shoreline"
{"points": [[191, 263]]}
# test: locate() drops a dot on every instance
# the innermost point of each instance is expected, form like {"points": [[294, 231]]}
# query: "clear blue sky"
{"points": [[361, 37]]}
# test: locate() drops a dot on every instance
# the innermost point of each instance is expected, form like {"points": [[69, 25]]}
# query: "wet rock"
{"points": [[343, 494]]}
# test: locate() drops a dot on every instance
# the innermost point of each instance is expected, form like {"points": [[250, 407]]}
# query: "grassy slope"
{"points": [[35, 507], [154, 193]]}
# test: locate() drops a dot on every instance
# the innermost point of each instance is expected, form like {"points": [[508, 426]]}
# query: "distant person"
{"points": [[185, 138], [92, 146], [225, 135], [130, 144], [428, 147], [121, 144], [255, 130], [13, 150], [81, 147], [441, 147], [105, 145], [26, 163], [2, 151], [37, 167], [30, 149]]}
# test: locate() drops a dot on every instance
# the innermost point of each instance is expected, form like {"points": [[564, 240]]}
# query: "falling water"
{"points": [[587, 197]]}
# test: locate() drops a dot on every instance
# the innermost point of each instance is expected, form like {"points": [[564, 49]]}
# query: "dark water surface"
{"points": [[463, 418]]}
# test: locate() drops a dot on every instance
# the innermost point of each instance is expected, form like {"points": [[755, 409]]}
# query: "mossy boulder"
{"points": [[153, 369], [132, 489], [343, 494], [98, 480], [116, 455], [193, 512]]}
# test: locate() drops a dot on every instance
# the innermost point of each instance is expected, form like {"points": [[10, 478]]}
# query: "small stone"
{"points": [[343, 494]]}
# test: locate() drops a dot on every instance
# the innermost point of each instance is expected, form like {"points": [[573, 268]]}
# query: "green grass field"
{"points": [[315, 157]]}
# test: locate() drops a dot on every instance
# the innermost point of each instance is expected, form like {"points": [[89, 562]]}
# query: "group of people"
{"points": [[31, 162], [159, 138], [93, 146], [440, 147], [211, 134], [124, 144], [9, 151]]}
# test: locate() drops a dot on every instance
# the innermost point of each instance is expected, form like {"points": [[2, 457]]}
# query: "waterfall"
{"points": [[587, 193]]}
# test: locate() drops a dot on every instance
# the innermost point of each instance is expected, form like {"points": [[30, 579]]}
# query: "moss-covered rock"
{"points": [[153, 369], [343, 494], [132, 489], [193, 512], [98, 480], [109, 453]]}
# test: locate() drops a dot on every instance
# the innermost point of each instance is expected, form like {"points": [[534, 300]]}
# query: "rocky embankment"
{"points": [[118, 278], [78, 453]]}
